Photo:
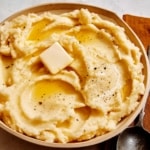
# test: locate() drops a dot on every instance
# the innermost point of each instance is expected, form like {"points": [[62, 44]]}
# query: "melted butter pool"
{"points": [[48, 100], [39, 32], [45, 88]]}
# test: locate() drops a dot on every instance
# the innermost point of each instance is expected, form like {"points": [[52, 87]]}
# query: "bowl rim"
{"points": [[128, 120]]}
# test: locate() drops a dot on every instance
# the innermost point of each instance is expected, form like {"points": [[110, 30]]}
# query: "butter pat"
{"points": [[55, 58]]}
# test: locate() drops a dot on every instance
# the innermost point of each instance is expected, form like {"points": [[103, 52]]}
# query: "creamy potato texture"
{"points": [[87, 98]]}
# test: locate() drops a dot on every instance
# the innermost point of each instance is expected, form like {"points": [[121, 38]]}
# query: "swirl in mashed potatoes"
{"points": [[87, 98]]}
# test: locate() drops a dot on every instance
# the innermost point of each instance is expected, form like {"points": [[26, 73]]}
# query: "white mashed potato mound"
{"points": [[89, 97]]}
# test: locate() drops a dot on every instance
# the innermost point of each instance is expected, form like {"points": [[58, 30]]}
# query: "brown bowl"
{"points": [[64, 7]]}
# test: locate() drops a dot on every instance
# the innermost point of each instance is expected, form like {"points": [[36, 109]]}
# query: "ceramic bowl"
{"points": [[64, 7]]}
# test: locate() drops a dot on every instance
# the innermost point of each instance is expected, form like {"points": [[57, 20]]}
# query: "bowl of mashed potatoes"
{"points": [[71, 75]]}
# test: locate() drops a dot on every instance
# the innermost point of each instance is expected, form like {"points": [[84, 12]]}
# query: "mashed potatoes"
{"points": [[87, 98]]}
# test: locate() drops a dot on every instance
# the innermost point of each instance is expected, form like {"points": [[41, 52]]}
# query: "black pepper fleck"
{"points": [[7, 67], [77, 119], [40, 103]]}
